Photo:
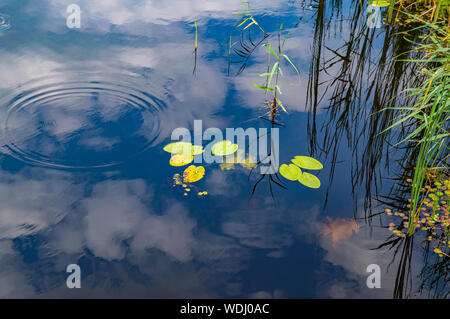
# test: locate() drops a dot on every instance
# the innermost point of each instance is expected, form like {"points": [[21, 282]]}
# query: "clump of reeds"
{"points": [[273, 76], [429, 111], [428, 10]]}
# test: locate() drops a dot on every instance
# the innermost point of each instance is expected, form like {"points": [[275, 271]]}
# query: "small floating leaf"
{"points": [[309, 180], [193, 174], [177, 179], [181, 159], [224, 148], [307, 162], [290, 172], [379, 3], [227, 166], [249, 163]]}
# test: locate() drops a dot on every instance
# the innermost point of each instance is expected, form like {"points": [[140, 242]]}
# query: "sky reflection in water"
{"points": [[85, 114]]}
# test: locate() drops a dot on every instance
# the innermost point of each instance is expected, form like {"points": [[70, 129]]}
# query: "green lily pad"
{"points": [[224, 148], [290, 172], [307, 162], [309, 180]]}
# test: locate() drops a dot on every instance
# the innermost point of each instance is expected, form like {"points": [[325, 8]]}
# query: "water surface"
{"points": [[86, 112]]}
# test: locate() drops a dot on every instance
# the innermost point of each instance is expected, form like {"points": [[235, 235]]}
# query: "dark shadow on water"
{"points": [[378, 79]]}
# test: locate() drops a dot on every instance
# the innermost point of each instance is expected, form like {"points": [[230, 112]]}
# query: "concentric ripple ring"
{"points": [[4, 22], [79, 124]]}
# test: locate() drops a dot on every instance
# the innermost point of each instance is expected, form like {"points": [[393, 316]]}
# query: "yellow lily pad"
{"points": [[177, 179], [379, 3], [309, 180], [290, 172], [238, 158], [249, 162], [181, 159], [232, 159], [227, 166], [177, 147], [193, 174], [197, 149], [224, 148], [307, 162], [183, 147]]}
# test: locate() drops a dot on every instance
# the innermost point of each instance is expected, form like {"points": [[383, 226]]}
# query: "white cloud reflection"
{"points": [[116, 222], [136, 247], [127, 12]]}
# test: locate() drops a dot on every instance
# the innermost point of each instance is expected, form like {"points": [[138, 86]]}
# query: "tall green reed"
{"points": [[276, 71], [430, 112]]}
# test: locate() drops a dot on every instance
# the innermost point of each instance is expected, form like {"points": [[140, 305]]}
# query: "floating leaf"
{"points": [[224, 148], [193, 174], [227, 166], [309, 180], [181, 159], [248, 163], [177, 147], [197, 149], [290, 172], [379, 3], [177, 179], [307, 162], [234, 158], [183, 147]]}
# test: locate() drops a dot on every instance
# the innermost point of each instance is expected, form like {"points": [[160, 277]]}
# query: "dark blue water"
{"points": [[85, 114]]}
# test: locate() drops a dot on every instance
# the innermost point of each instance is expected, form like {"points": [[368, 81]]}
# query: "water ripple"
{"points": [[79, 124], [4, 22]]}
